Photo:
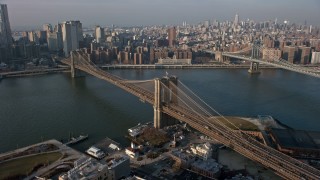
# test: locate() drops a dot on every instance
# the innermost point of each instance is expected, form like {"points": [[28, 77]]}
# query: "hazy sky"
{"points": [[31, 13]]}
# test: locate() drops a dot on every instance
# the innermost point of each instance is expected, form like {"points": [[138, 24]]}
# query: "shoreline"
{"points": [[37, 72]]}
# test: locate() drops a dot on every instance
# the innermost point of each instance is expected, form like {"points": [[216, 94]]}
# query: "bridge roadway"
{"points": [[288, 66], [33, 72], [286, 166], [177, 66]]}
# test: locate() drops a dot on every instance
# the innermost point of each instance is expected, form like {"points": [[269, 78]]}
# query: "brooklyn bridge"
{"points": [[172, 102]]}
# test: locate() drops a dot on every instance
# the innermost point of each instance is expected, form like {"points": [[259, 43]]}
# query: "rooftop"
{"points": [[136, 130], [108, 146], [85, 168], [94, 149], [208, 165], [115, 162]]}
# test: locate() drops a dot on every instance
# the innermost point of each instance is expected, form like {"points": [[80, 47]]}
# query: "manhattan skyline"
{"points": [[34, 13]]}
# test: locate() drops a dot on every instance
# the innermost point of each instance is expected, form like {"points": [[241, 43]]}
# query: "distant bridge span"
{"points": [[275, 61], [171, 99]]}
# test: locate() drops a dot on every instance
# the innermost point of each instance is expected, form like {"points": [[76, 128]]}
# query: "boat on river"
{"points": [[75, 140]]}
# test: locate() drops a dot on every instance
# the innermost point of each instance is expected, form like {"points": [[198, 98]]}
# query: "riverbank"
{"points": [[36, 160]]}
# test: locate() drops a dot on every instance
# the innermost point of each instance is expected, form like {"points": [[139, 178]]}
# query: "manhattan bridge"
{"points": [[172, 102], [255, 50]]}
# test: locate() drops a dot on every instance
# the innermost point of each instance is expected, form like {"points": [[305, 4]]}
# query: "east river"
{"points": [[33, 109]]}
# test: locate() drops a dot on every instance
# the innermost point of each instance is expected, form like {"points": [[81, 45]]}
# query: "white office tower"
{"points": [[5, 30], [100, 35], [71, 36], [47, 27], [315, 58], [236, 20]]}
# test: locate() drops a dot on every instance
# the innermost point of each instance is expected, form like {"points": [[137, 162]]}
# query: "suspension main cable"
{"points": [[208, 105]]}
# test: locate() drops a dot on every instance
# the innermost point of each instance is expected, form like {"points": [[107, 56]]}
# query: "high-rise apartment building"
{"points": [[295, 54], [290, 53], [100, 34], [172, 34], [71, 36], [315, 58], [268, 42], [137, 58], [5, 30], [271, 54], [124, 57], [304, 54]]}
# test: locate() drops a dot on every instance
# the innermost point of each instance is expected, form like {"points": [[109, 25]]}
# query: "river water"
{"points": [[33, 109]]}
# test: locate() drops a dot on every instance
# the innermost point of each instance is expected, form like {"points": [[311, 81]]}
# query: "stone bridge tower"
{"points": [[255, 54], [74, 56], [165, 94]]}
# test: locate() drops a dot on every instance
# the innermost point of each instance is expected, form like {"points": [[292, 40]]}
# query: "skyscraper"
{"points": [[236, 20], [47, 27], [99, 34], [33, 37], [172, 33], [71, 36], [5, 30], [206, 24], [54, 39]]}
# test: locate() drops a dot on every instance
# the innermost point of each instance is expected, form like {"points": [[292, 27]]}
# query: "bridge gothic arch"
{"points": [[254, 66], [165, 94]]}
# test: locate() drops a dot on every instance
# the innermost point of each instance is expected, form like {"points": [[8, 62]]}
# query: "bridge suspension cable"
{"points": [[214, 110], [276, 61], [246, 49], [148, 84], [284, 62], [137, 81]]}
